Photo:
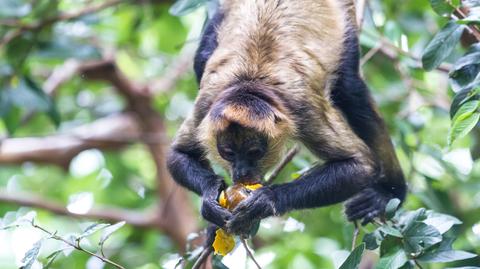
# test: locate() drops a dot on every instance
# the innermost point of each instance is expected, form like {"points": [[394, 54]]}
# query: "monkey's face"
{"points": [[245, 150]]}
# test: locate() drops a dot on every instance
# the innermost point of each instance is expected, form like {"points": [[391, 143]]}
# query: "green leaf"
{"points": [[108, 231], [387, 229], [441, 7], [217, 262], [392, 207], [389, 245], [183, 7], [470, 20], [392, 261], [31, 255], [51, 108], [445, 253], [441, 45], [12, 119], [447, 256], [92, 229], [14, 219], [462, 126], [465, 70], [5, 102], [409, 218], [353, 260], [18, 50], [373, 240], [466, 110], [51, 258], [420, 236], [441, 222], [462, 97]]}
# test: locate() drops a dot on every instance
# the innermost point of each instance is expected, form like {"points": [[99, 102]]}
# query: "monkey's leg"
{"points": [[352, 97], [207, 45]]}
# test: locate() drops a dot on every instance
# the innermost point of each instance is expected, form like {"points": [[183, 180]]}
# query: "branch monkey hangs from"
{"points": [[272, 71]]}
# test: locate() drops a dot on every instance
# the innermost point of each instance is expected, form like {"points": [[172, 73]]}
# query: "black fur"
{"points": [[352, 97], [191, 170], [208, 44]]}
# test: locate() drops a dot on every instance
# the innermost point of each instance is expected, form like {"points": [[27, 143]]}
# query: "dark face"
{"points": [[243, 148]]}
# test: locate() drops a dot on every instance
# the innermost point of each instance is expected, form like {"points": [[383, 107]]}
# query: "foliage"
{"points": [[465, 73]]}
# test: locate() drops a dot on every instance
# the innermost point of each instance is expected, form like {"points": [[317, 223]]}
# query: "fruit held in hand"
{"points": [[235, 194], [229, 199], [224, 242]]}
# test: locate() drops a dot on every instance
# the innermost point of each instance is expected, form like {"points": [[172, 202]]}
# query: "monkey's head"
{"points": [[246, 131]]}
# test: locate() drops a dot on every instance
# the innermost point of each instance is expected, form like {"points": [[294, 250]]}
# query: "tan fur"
{"points": [[295, 45]]}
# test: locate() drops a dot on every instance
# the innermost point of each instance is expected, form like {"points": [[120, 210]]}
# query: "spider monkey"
{"points": [[272, 71]]}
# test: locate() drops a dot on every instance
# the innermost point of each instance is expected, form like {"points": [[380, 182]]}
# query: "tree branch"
{"points": [[77, 246], [110, 214], [178, 219], [106, 133], [59, 17]]}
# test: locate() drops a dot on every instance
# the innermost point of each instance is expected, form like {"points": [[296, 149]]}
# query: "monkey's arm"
{"points": [[349, 168], [190, 168]]}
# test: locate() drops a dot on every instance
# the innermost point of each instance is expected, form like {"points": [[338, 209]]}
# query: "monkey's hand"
{"points": [[211, 210], [367, 204], [259, 205]]}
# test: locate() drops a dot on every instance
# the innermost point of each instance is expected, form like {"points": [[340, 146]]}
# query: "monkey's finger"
{"points": [[370, 216], [351, 208], [214, 213], [360, 214], [240, 224], [362, 197]]}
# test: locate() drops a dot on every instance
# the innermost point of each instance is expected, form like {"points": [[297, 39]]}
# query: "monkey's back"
{"points": [[293, 43]]}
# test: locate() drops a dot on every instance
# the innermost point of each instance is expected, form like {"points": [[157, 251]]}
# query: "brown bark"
{"points": [[176, 216], [108, 133]]}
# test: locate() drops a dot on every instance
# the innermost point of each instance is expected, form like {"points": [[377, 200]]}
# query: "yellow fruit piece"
{"points": [[222, 200], [223, 243], [254, 186]]}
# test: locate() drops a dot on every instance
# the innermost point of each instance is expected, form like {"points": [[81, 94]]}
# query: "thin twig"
{"points": [[361, 4], [203, 257], [418, 264], [472, 28], [288, 157], [249, 253], [78, 247], [356, 232], [370, 54], [392, 51]]}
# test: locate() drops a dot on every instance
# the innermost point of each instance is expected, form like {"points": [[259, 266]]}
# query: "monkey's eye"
{"points": [[227, 153]]}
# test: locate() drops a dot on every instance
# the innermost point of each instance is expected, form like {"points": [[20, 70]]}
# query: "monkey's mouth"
{"points": [[250, 180]]}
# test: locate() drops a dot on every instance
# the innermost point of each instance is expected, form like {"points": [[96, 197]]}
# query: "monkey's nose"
{"points": [[243, 175]]}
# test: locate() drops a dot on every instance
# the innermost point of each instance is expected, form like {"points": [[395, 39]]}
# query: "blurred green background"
{"points": [[91, 92]]}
